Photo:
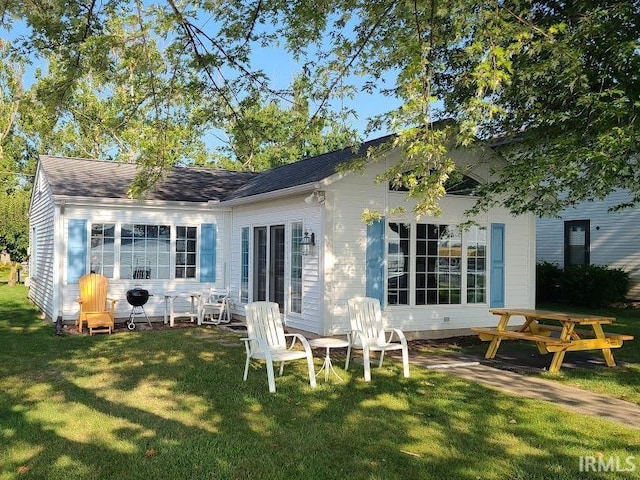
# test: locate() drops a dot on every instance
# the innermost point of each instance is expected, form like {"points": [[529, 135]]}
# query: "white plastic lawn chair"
{"points": [[267, 341], [369, 334], [214, 307]]}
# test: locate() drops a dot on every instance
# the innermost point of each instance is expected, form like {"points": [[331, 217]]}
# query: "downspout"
{"points": [[322, 249], [59, 254], [227, 216]]}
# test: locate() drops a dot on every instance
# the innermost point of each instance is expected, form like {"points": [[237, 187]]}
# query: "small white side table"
{"points": [[169, 308], [328, 343]]}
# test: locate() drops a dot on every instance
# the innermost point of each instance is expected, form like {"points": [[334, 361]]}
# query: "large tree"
{"points": [[265, 133], [556, 80], [119, 98], [14, 163]]}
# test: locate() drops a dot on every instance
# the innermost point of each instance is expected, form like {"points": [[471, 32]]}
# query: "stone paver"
{"points": [[472, 368]]}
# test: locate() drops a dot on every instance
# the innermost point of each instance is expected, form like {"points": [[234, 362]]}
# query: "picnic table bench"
{"points": [[549, 338]]}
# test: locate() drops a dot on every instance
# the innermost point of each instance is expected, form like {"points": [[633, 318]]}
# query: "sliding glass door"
{"points": [[269, 263]]}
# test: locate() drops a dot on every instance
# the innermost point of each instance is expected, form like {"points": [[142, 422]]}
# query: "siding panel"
{"points": [[345, 276], [614, 240], [284, 212], [119, 286], [42, 290]]}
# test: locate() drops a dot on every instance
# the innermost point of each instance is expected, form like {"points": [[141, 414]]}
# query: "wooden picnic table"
{"points": [[548, 337]]}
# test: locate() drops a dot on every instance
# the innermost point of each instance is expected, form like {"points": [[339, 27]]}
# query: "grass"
{"points": [[624, 380], [621, 382], [167, 404]]}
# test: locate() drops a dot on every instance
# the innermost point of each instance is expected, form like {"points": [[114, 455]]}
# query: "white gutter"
{"points": [[283, 192], [128, 202]]}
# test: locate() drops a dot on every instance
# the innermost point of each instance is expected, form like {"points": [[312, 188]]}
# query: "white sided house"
{"points": [[591, 233], [206, 228]]}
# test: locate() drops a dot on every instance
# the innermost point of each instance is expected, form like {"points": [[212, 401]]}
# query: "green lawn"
{"points": [[171, 404], [622, 382]]}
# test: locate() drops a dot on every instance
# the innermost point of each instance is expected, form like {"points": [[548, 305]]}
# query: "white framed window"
{"points": [[296, 268], [244, 266], [398, 263], [436, 264], [145, 251], [186, 248], [443, 266], [477, 264], [102, 255]]}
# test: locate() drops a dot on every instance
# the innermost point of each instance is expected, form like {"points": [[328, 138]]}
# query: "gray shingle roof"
{"points": [[79, 177], [309, 170], [93, 178]]}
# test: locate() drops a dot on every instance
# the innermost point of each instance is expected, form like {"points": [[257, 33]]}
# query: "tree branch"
{"points": [[152, 77], [523, 21], [84, 36], [192, 40], [354, 57], [254, 19]]}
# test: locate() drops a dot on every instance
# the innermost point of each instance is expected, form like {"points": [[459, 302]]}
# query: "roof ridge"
{"points": [[86, 159], [356, 147]]}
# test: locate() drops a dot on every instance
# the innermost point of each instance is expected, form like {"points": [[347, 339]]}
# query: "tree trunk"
{"points": [[13, 274]]}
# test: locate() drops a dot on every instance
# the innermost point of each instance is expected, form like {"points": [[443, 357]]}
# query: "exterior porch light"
{"points": [[307, 243]]}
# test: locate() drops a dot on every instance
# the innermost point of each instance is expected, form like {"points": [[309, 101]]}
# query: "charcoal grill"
{"points": [[137, 298]]}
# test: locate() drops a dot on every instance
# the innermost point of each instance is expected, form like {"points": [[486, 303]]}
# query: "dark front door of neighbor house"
{"points": [[576, 242], [269, 264]]}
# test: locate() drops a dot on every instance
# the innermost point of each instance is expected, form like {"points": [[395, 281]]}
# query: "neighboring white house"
{"points": [[212, 228], [591, 234]]}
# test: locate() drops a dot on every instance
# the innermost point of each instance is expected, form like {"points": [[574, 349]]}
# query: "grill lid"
{"points": [[137, 296]]}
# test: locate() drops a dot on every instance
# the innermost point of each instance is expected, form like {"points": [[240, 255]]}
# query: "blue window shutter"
{"points": [[496, 294], [375, 261], [208, 252], [76, 250]]}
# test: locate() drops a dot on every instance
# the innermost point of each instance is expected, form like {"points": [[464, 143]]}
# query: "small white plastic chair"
{"points": [[369, 334], [214, 307], [267, 341]]}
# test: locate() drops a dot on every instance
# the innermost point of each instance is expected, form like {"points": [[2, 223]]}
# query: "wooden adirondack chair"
{"points": [[267, 341], [96, 309], [368, 333]]}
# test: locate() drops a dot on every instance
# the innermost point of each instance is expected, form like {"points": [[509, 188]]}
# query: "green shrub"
{"points": [[548, 277], [5, 268], [594, 285]]}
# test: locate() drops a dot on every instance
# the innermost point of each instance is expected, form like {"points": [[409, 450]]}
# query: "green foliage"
{"points": [[145, 81], [15, 164], [5, 269], [573, 87], [141, 83], [594, 285], [369, 217], [125, 102], [15, 161], [14, 224], [263, 134], [581, 285], [548, 278]]}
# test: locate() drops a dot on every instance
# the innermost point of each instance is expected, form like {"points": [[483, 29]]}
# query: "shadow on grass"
{"points": [[172, 404]]}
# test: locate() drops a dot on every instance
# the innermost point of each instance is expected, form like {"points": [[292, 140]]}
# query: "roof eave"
{"points": [[128, 202], [283, 192]]}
